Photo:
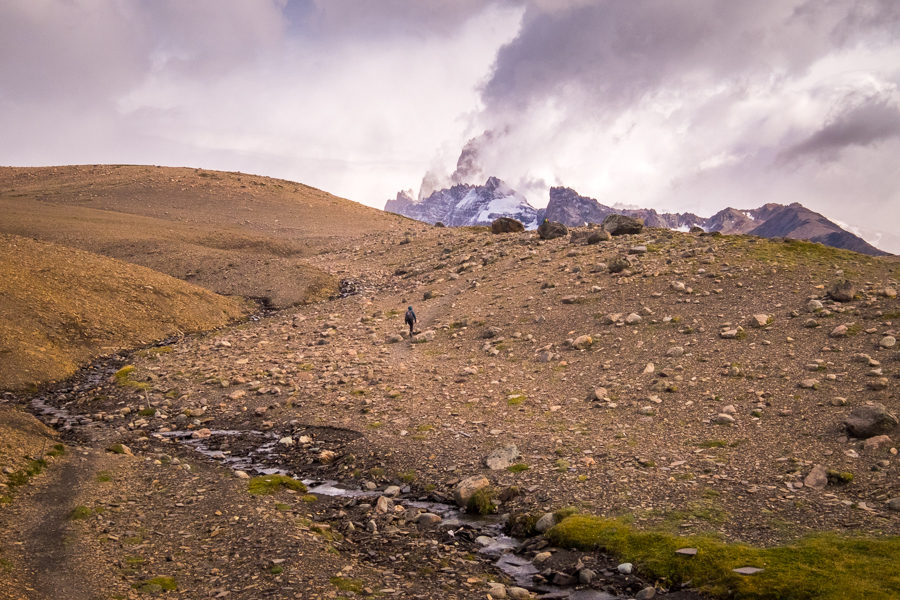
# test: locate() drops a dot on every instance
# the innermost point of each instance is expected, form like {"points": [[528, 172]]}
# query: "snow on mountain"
{"points": [[465, 204]]}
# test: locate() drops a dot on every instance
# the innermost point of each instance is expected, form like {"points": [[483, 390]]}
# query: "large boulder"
{"points": [[549, 230], [467, 488], [870, 420], [506, 225], [622, 225]]}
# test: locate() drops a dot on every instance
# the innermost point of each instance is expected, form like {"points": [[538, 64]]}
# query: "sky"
{"points": [[692, 105]]}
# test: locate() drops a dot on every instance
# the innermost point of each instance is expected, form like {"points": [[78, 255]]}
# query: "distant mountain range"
{"points": [[465, 204]]}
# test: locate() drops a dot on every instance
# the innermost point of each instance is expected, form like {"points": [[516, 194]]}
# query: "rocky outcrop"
{"points": [[870, 420]]}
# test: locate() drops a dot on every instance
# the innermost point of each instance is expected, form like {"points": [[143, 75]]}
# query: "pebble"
{"points": [[625, 568], [888, 341]]}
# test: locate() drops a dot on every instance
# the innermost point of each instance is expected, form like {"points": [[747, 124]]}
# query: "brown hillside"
{"points": [[61, 307], [232, 233]]}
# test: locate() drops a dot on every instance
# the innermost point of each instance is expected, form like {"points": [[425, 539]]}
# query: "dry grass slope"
{"points": [[232, 233], [61, 307]]}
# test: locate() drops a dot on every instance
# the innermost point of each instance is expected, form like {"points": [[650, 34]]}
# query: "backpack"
{"points": [[410, 316]]}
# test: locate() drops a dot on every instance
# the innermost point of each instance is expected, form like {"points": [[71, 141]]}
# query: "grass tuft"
{"points": [[269, 484], [823, 566]]}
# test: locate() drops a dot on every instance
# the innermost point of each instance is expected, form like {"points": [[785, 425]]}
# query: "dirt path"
{"points": [[42, 542]]}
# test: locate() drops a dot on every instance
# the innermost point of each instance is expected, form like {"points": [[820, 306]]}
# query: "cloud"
{"points": [[866, 124]]}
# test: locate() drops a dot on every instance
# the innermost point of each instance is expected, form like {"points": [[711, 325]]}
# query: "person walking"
{"points": [[410, 319]]}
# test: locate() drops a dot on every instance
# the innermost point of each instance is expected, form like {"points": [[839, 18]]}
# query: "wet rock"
{"points": [[506, 225], [586, 576], [546, 521], [646, 594], [501, 458], [427, 519], [870, 420], [517, 593], [622, 225], [466, 488]]}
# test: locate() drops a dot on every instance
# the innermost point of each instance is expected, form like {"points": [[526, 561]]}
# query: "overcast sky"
{"points": [[682, 105]]}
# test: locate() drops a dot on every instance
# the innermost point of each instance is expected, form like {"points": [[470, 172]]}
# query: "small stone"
{"points": [[686, 551], [870, 420], [879, 383], [809, 384], [817, 478], [586, 576], [501, 458], [842, 291], [814, 305], [888, 341], [384, 504], [241, 475], [675, 351], [724, 419], [625, 568], [517, 593], [546, 521], [569, 299], [392, 491], [497, 591], [467, 488], [582, 342], [326, 456], [838, 332], [633, 319], [646, 594], [894, 504], [760, 320], [541, 557], [678, 286], [747, 570], [426, 519], [876, 442]]}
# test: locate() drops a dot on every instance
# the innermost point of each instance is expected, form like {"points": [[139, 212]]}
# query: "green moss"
{"points": [[517, 468], [156, 585], [348, 584], [839, 477], [482, 502], [824, 566], [147, 412], [116, 449], [407, 476], [269, 484], [562, 465], [276, 570], [309, 498], [515, 399], [57, 450], [282, 506], [22, 476], [713, 444], [123, 378], [80, 512]]}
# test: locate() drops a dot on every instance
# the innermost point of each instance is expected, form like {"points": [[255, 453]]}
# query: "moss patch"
{"points": [[157, 585], [123, 378], [482, 502], [269, 484], [823, 566], [348, 584], [517, 468]]}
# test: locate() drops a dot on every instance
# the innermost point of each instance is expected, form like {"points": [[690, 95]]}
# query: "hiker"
{"points": [[410, 319]]}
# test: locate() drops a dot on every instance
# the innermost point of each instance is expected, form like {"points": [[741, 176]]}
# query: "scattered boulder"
{"points": [[894, 504], [550, 230], [466, 488], [876, 442], [506, 225], [546, 521], [501, 458], [439, 224], [622, 225], [870, 420], [842, 291], [760, 320]]}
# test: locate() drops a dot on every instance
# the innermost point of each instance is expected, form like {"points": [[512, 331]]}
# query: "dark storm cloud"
{"points": [[863, 125], [611, 53]]}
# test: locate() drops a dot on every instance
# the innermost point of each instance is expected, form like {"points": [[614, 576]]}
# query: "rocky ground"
{"points": [[693, 383]]}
